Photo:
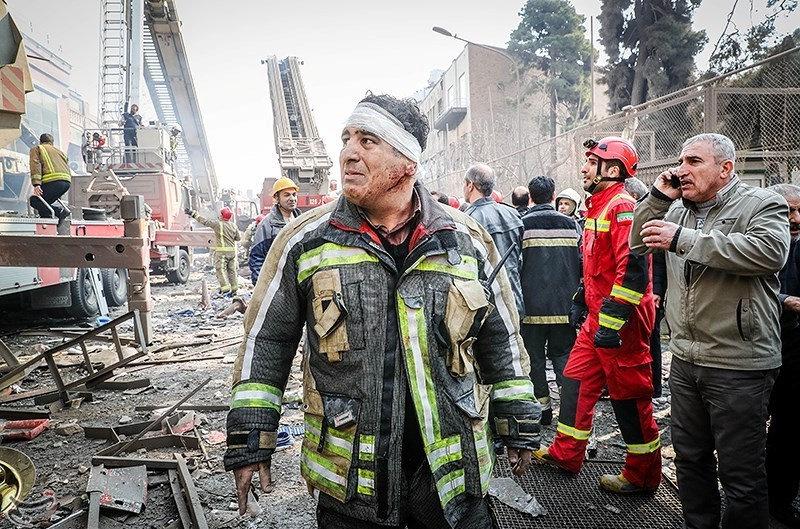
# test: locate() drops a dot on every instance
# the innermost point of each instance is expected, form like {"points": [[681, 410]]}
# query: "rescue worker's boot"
{"points": [[619, 485], [543, 456]]}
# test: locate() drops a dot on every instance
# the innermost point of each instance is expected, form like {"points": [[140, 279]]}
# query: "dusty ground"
{"points": [[62, 461]]}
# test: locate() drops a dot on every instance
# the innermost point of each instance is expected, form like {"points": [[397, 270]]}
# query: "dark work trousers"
{"points": [[723, 410], [420, 508], [129, 135], [655, 352], [544, 341], [783, 458], [51, 191]]}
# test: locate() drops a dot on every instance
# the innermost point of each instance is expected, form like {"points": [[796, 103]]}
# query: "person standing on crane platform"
{"points": [[131, 120], [50, 177], [225, 236]]}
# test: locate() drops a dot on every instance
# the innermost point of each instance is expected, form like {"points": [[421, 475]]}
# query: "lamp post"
{"points": [[516, 66]]}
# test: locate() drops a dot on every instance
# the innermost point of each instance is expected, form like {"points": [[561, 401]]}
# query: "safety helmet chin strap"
{"points": [[598, 177]]}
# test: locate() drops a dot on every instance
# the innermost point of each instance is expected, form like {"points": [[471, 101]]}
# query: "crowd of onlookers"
{"points": [[723, 269]]}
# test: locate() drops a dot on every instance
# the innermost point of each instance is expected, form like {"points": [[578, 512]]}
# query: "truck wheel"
{"points": [[180, 275], [84, 301], [115, 286]]}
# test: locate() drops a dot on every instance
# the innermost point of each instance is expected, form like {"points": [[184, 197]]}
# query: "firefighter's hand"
{"points": [[577, 315], [37, 191], [244, 476], [519, 459], [606, 338], [657, 301], [664, 183], [658, 234]]}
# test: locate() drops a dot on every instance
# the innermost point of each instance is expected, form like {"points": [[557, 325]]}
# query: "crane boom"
{"points": [[301, 152], [169, 80]]}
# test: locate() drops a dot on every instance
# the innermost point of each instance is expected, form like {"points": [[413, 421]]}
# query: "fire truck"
{"points": [[170, 167]]}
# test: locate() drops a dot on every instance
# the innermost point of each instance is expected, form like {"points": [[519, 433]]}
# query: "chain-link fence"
{"points": [[758, 107]]}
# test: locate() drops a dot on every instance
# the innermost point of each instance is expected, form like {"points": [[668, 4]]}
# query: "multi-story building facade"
{"points": [[53, 107], [474, 114]]}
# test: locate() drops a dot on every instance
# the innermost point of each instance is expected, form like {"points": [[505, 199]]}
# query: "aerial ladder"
{"points": [[301, 152]]}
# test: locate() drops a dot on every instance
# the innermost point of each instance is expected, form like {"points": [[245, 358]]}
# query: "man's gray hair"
{"points": [[786, 190], [482, 177], [721, 145], [635, 187]]}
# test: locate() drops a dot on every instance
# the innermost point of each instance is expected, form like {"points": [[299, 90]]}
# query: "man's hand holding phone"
{"points": [[669, 183]]}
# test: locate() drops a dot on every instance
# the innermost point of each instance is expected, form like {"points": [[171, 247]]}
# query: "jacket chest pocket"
{"points": [[467, 308], [723, 225], [335, 309]]}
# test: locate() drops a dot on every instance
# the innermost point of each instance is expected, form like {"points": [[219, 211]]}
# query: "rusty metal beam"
{"points": [[77, 252], [194, 239], [13, 414], [180, 501], [151, 464], [157, 441], [193, 500]]}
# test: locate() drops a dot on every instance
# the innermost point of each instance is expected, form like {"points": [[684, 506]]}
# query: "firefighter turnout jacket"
{"points": [[551, 265], [434, 330], [225, 233], [48, 164]]}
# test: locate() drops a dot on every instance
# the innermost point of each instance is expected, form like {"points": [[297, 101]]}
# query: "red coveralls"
{"points": [[612, 271]]}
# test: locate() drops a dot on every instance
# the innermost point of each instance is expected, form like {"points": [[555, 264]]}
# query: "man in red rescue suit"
{"points": [[612, 347]]}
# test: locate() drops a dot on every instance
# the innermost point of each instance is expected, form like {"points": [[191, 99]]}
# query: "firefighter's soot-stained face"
{"points": [[287, 200], [370, 167]]}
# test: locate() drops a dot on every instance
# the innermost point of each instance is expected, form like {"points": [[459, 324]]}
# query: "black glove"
{"points": [[578, 311], [606, 338], [188, 211]]}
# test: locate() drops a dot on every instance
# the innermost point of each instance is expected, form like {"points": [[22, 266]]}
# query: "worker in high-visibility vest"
{"points": [[50, 177], [225, 236]]}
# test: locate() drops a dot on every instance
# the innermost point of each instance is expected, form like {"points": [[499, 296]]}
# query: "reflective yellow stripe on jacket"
{"points": [[49, 174]]}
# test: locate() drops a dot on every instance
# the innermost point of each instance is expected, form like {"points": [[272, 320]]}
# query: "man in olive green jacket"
{"points": [[725, 243]]}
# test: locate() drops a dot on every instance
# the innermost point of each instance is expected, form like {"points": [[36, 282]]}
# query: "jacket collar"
{"points": [[722, 196], [275, 215], [605, 195], [541, 207], [432, 217], [483, 201]]}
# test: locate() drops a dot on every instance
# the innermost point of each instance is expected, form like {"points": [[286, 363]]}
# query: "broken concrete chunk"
{"points": [[69, 428]]}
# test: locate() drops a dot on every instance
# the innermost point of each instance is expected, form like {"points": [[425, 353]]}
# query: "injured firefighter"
{"points": [[402, 316]]}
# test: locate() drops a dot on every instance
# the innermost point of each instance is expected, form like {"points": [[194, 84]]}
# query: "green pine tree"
{"points": [[650, 46], [551, 38]]}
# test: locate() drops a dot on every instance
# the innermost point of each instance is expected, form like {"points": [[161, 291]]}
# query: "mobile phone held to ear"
{"points": [[674, 181]]}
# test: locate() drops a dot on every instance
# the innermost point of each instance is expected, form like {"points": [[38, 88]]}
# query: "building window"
{"points": [[463, 93], [450, 99], [41, 115]]}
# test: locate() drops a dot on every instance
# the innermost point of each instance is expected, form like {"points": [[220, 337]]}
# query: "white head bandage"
{"points": [[376, 120]]}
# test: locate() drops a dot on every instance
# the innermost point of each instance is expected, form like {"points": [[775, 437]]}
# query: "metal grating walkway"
{"points": [[576, 502]]}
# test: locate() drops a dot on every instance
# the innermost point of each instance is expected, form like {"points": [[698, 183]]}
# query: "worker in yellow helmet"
{"points": [[50, 177], [225, 236], [284, 193]]}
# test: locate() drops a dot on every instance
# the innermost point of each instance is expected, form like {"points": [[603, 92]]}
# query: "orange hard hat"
{"points": [[225, 213]]}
